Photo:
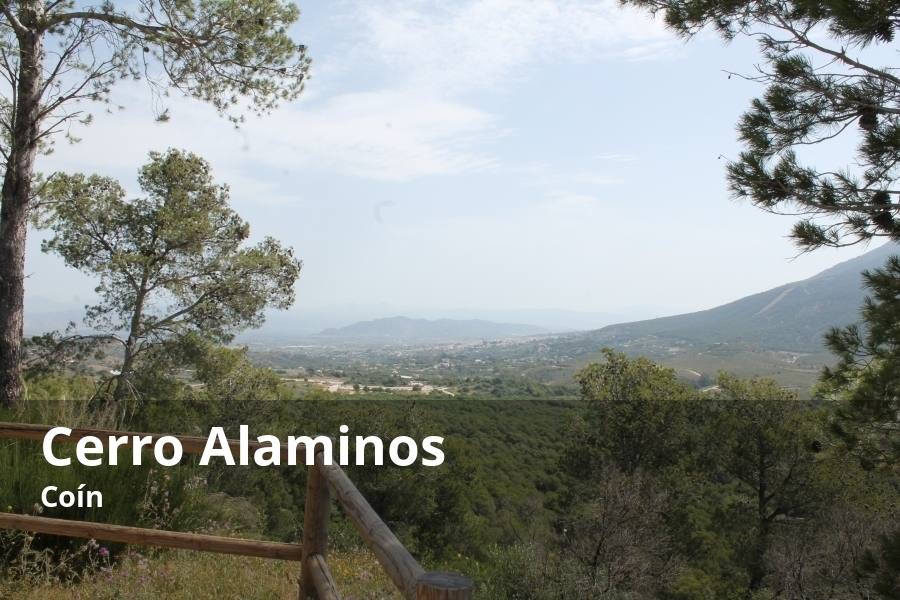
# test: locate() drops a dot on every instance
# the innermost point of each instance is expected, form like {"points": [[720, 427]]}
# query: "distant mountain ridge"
{"points": [[405, 329], [791, 317]]}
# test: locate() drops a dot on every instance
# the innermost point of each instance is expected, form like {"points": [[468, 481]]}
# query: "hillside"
{"points": [[791, 317], [777, 333], [407, 330]]}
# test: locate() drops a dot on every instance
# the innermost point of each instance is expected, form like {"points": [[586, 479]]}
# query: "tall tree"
{"points": [[634, 418], [232, 54], [171, 263], [865, 383], [826, 82], [765, 441], [824, 79]]}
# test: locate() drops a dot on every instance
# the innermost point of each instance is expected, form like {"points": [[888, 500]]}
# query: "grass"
{"points": [[181, 574]]}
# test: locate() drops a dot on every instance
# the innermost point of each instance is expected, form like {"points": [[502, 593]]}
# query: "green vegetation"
{"points": [[822, 82], [864, 382], [634, 484], [200, 576], [637, 481], [170, 265], [642, 486], [236, 56], [678, 494]]}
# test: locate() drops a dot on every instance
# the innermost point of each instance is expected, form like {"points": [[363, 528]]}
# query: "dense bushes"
{"points": [[735, 493], [642, 488]]}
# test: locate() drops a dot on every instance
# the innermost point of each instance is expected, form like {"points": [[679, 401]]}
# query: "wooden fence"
{"points": [[315, 578]]}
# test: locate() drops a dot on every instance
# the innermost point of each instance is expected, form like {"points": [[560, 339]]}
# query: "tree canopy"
{"points": [[58, 57], [234, 55], [865, 382], [170, 263], [634, 418], [824, 80]]}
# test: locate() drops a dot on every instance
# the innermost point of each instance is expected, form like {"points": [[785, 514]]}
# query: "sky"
{"points": [[480, 154]]}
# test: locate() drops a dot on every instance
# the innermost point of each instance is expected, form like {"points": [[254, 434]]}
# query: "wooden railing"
{"points": [[315, 578]]}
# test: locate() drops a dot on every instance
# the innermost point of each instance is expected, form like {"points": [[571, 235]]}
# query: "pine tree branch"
{"points": [[109, 18], [840, 55]]}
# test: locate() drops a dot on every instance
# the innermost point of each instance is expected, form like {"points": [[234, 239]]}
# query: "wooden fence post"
{"points": [[315, 528], [315, 579], [436, 585]]}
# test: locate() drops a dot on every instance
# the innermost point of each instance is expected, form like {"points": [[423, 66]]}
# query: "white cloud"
{"points": [[462, 46], [403, 115], [387, 135], [427, 55]]}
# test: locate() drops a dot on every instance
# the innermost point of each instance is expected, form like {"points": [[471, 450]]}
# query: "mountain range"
{"points": [[777, 333], [407, 330], [791, 317]]}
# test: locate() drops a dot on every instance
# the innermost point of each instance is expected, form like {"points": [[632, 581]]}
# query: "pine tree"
{"points": [[866, 380], [171, 264], [822, 82], [57, 57], [825, 84]]}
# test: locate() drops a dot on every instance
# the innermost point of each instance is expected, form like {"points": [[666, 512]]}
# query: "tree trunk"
{"points": [[123, 381], [12, 291], [14, 196], [758, 567]]}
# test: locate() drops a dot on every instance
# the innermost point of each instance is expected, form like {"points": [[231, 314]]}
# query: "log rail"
{"points": [[315, 578]]}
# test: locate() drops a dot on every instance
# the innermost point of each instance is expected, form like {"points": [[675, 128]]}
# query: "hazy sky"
{"points": [[482, 153]]}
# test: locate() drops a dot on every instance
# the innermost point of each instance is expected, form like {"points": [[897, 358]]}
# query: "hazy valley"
{"points": [[777, 333]]}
